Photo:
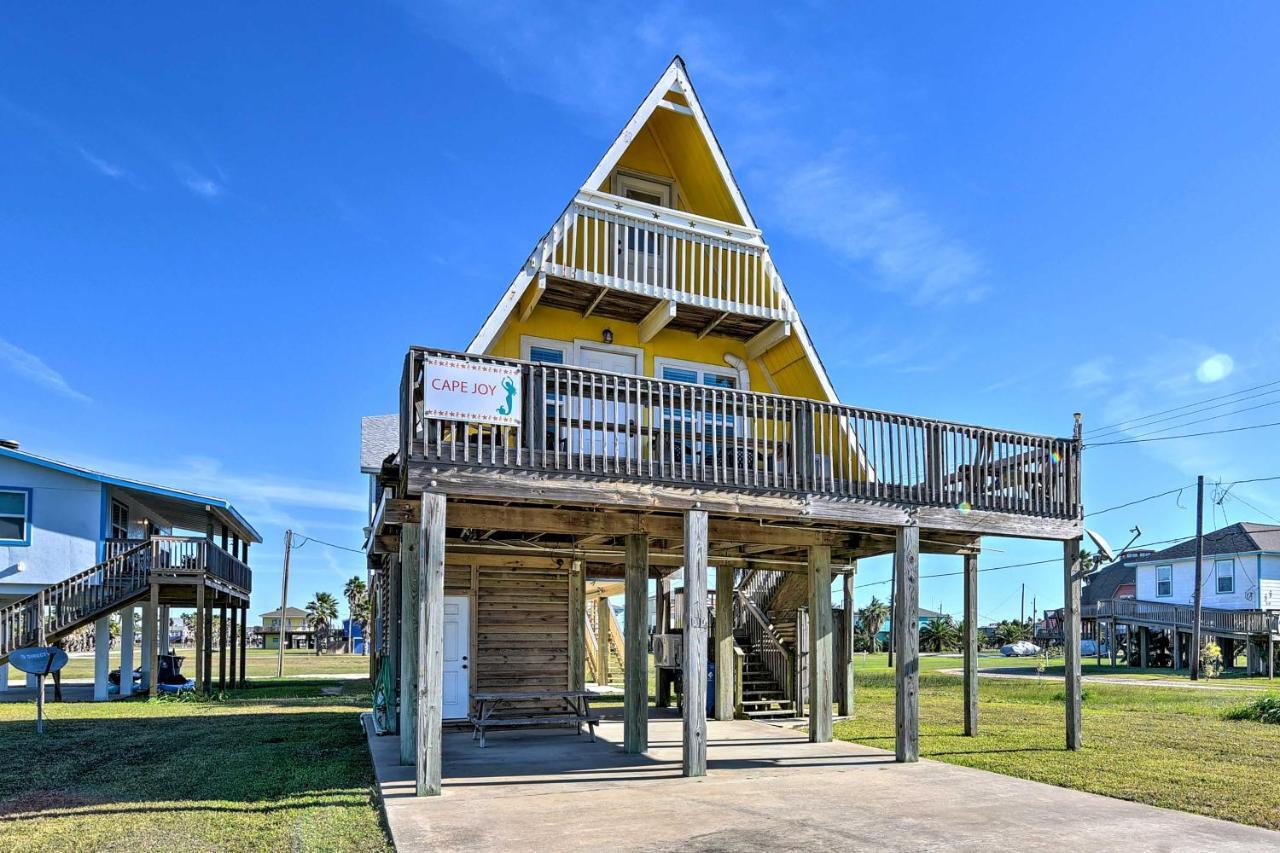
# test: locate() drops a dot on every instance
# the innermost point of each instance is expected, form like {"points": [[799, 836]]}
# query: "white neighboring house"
{"points": [[1240, 571]]}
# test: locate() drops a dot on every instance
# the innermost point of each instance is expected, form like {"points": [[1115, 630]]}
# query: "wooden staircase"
{"points": [[762, 696], [63, 607]]}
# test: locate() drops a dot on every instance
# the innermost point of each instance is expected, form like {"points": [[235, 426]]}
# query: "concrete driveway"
{"points": [[766, 789]]}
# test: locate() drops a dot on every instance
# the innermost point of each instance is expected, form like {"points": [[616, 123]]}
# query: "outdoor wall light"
{"points": [[607, 336]]}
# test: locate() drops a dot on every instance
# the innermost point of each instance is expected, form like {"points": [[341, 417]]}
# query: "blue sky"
{"points": [[220, 230]]}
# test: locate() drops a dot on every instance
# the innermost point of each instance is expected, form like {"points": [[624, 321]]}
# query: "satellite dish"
{"points": [[39, 660], [1103, 547]]}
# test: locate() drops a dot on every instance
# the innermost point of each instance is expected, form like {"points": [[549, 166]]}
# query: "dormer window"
{"points": [[646, 189]]}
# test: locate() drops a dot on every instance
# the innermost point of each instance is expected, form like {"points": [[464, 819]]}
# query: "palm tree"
{"points": [[357, 595], [322, 609], [1012, 631], [871, 617], [940, 635]]}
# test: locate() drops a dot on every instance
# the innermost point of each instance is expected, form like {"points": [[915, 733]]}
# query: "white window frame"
{"points": [[651, 184], [1217, 577], [111, 522], [714, 369], [25, 516], [528, 342], [1169, 581]]}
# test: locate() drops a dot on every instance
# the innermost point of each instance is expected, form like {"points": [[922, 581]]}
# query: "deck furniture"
{"points": [[510, 709]]}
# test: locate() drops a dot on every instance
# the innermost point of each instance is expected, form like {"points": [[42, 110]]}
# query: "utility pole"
{"points": [[1195, 622], [284, 599], [1022, 611]]}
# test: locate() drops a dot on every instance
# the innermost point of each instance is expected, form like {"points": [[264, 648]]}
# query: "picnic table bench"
{"points": [[496, 709]]}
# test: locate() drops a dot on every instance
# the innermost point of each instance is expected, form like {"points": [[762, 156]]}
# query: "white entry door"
{"points": [[600, 405], [457, 654]]}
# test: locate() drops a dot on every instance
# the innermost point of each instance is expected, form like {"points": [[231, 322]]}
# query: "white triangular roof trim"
{"points": [[674, 78]]}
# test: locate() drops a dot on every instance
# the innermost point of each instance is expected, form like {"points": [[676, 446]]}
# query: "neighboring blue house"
{"points": [[352, 629], [926, 616], [56, 519]]}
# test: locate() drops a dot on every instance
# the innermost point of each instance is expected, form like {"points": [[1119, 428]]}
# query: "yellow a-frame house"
{"points": [[644, 401]]}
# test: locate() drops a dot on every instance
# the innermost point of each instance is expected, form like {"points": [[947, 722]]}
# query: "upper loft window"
{"points": [[1225, 570], [15, 516], [119, 520], [649, 190]]}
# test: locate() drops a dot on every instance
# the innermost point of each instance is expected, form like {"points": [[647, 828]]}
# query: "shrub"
{"points": [[1265, 709]]}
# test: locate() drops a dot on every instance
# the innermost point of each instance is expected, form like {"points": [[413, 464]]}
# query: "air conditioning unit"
{"points": [[667, 650]]}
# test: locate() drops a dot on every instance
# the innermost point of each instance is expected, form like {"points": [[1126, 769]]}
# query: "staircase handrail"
{"points": [[760, 586], [59, 606]]}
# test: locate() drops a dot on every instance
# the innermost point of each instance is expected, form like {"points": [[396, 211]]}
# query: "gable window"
{"points": [[119, 520], [1164, 581], [1225, 571], [15, 516], [643, 189]]}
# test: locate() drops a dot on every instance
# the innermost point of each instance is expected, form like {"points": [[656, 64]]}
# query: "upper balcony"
{"points": [[569, 423], [658, 267]]}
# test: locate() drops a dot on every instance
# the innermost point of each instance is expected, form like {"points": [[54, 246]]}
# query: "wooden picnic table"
{"points": [[496, 709]]}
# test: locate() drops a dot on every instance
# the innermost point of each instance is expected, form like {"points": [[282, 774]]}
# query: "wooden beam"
{"points": [[552, 488], [694, 753], [410, 627], [820, 641], [577, 625], [532, 295], [1072, 571], [906, 621], [431, 644], [244, 641], [715, 321], [724, 642], [594, 302], [156, 633], [844, 701], [585, 523], [657, 319], [393, 641], [675, 108], [200, 638], [636, 666], [602, 641], [768, 338], [970, 644]]}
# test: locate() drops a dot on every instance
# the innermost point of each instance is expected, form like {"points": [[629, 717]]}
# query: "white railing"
{"points": [[665, 254]]}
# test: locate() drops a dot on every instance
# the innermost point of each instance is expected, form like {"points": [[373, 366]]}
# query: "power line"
{"points": [[1138, 501], [1254, 508], [1185, 435], [306, 539], [1206, 420], [1131, 422]]}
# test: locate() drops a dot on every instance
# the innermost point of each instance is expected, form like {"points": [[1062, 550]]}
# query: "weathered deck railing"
{"points": [[1183, 616], [125, 573], [594, 423], [667, 254]]}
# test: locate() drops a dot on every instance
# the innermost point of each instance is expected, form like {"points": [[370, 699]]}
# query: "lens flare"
{"points": [[1055, 456], [964, 506]]}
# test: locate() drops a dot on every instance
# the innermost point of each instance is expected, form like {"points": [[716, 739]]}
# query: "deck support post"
{"points": [[1112, 642], [694, 756], [602, 641], [150, 663], [198, 651], [1071, 638], [393, 634], [663, 699], [820, 641], [1097, 644], [577, 625], [970, 644], [431, 644], [101, 658], [635, 668], [1177, 649], [724, 642], [233, 614], [244, 640], [126, 650], [844, 701], [222, 648], [208, 647], [164, 629], [410, 569], [1271, 657], [905, 627], [1144, 647]]}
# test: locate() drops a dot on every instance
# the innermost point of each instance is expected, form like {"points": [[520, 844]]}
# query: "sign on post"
{"points": [[459, 390]]}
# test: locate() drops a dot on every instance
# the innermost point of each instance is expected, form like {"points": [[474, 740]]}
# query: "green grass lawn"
{"points": [[261, 663], [279, 766], [1168, 747]]}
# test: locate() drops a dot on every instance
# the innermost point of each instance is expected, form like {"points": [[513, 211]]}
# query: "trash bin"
{"points": [[711, 688]]}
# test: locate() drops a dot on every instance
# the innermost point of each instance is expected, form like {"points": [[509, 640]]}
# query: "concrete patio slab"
{"points": [[766, 788]]}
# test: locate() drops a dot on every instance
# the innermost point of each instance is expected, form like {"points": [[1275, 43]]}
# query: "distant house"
{"points": [[1114, 580], [1241, 570], [298, 632], [927, 616]]}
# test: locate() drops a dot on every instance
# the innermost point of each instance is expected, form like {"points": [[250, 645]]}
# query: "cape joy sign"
{"points": [[459, 390]]}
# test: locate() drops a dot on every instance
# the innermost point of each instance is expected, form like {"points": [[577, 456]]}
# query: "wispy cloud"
{"points": [[1094, 373], [32, 368], [831, 194], [198, 182], [104, 167]]}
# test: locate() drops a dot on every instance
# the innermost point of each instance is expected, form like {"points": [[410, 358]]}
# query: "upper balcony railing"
{"points": [[653, 251], [593, 423], [174, 555], [1183, 616]]}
